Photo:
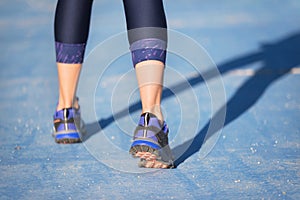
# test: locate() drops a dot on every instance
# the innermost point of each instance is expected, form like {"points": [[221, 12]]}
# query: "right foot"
{"points": [[67, 126], [150, 143]]}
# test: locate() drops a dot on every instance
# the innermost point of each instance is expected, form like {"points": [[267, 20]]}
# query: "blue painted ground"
{"points": [[254, 44]]}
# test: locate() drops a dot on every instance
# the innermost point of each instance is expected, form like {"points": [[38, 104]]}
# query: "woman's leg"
{"points": [[68, 75], [147, 34], [72, 20], [146, 25], [150, 78]]}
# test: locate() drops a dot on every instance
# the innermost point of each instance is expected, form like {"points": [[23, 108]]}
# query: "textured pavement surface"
{"points": [[237, 140]]}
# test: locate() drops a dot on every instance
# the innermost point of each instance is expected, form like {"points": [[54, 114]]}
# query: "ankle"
{"points": [[155, 110], [61, 105]]}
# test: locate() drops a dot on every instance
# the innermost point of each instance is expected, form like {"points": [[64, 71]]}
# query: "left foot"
{"points": [[67, 126], [150, 143]]}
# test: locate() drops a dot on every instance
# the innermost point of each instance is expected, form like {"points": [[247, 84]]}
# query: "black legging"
{"points": [[146, 26]]}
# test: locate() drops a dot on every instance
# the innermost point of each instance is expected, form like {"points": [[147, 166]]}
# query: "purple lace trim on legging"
{"points": [[148, 49], [69, 53]]}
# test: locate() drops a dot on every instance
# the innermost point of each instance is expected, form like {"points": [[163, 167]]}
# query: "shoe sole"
{"points": [[68, 141], [149, 157], [67, 138]]}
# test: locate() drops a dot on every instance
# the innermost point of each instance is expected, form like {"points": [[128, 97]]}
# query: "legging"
{"points": [[146, 27]]}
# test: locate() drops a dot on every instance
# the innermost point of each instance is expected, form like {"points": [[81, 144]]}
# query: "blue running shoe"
{"points": [[150, 143], [67, 126]]}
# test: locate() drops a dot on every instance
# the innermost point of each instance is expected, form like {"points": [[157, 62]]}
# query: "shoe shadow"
{"points": [[278, 59]]}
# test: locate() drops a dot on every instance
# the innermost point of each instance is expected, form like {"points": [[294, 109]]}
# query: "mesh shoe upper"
{"points": [[150, 129], [68, 126]]}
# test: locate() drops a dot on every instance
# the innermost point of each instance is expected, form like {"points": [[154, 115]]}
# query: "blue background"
{"points": [[256, 47]]}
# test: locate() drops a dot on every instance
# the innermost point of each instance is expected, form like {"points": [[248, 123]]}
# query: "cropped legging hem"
{"points": [[146, 28]]}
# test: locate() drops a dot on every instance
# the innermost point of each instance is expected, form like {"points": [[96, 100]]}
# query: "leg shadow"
{"points": [[278, 59]]}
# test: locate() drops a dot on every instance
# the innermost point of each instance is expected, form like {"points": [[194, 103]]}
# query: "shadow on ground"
{"points": [[277, 59]]}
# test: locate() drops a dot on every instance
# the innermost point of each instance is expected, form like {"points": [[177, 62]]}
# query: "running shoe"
{"points": [[67, 126], [150, 143]]}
